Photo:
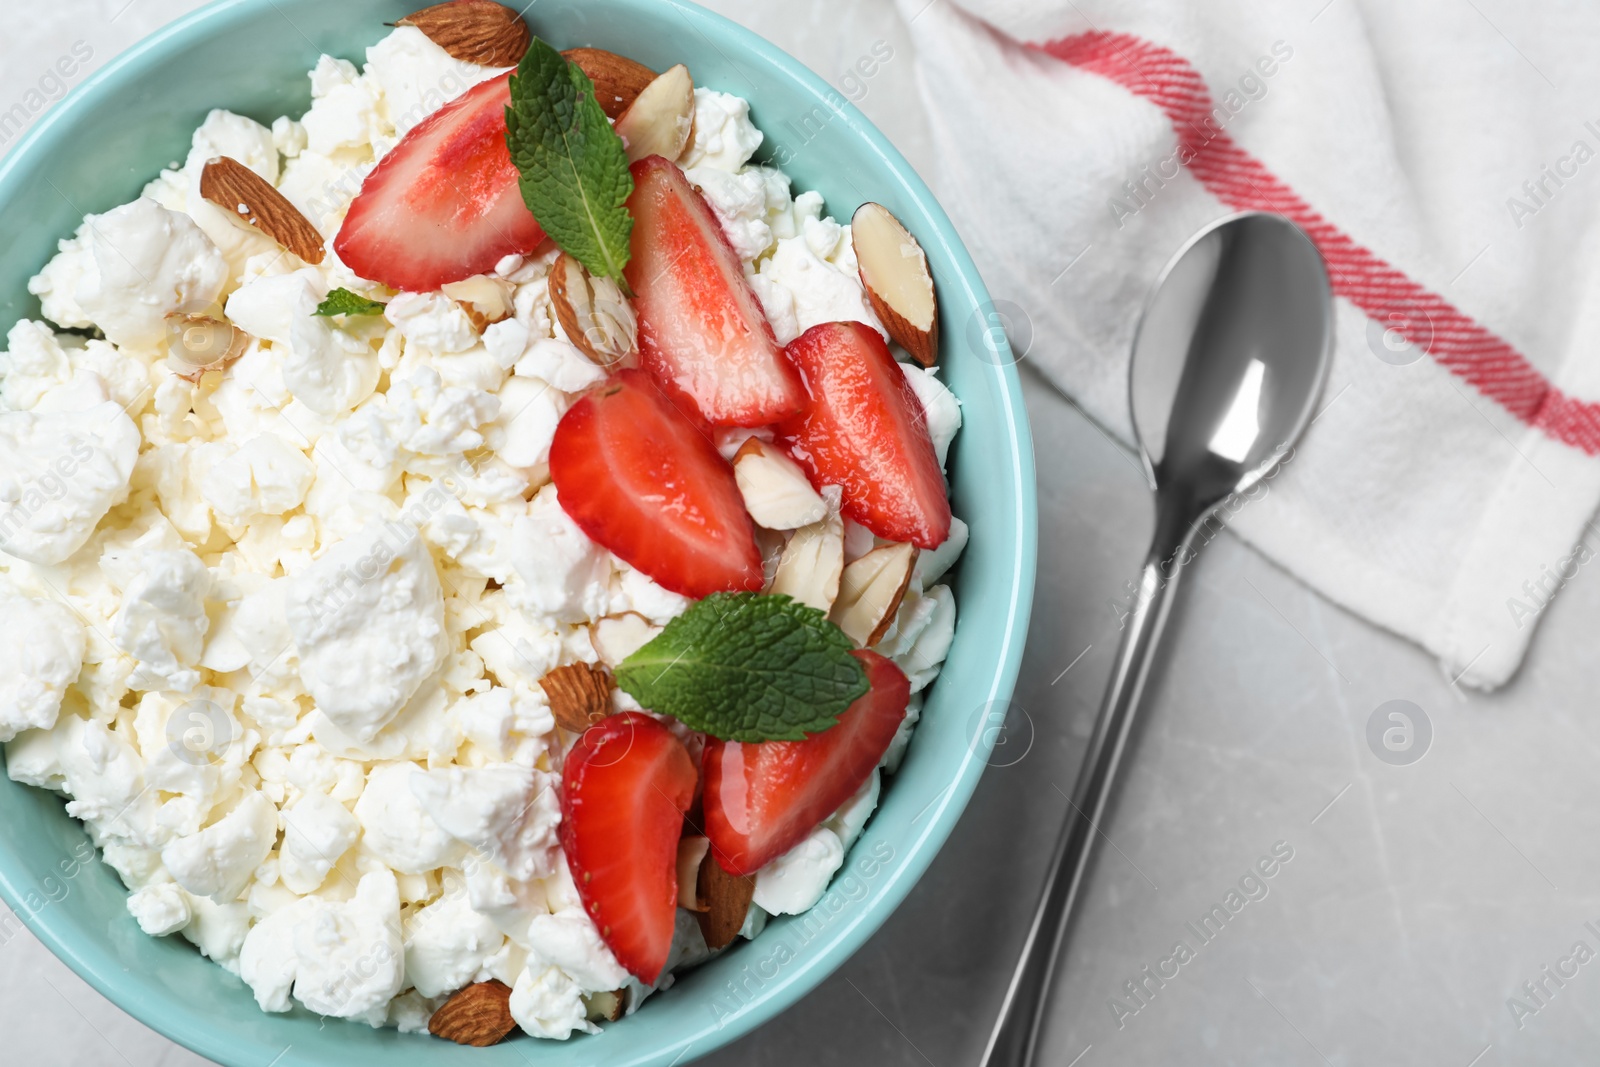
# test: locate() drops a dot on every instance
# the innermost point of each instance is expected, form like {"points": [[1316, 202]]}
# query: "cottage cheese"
{"points": [[327, 370], [368, 620], [343, 959], [126, 270], [811, 277], [59, 475], [317, 832], [548, 1003], [160, 909], [447, 943], [41, 652], [162, 622], [218, 861], [276, 635]]}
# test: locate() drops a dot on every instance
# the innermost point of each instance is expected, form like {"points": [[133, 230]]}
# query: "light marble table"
{"points": [[1418, 898]]}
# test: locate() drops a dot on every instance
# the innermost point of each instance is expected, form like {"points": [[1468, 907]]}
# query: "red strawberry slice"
{"points": [[702, 332], [625, 787], [763, 799], [641, 479], [444, 204], [864, 430]]}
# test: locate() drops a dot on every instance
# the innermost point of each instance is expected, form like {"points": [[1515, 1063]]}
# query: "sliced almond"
{"points": [[199, 343], [660, 120], [871, 590], [593, 313], [691, 854], [894, 271], [479, 1015], [725, 901], [579, 695], [776, 492], [474, 31], [607, 1006], [618, 80], [617, 637], [486, 300], [242, 192], [812, 562]]}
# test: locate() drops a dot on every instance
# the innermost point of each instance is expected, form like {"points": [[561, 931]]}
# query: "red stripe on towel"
{"points": [[1387, 295]]}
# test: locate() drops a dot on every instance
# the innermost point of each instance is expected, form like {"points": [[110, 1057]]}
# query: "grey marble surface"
{"points": [[1417, 900]]}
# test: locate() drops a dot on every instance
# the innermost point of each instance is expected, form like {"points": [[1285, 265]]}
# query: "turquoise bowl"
{"points": [[98, 148]]}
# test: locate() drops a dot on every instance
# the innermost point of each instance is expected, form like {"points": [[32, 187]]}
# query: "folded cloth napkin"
{"points": [[1448, 172]]}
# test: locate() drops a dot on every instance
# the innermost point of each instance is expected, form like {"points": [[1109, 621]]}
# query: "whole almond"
{"points": [[618, 80], [237, 189], [579, 695], [725, 900], [479, 1015], [474, 31]]}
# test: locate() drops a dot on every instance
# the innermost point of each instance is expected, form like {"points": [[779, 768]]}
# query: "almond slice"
{"points": [[618, 80], [242, 192], [660, 120], [812, 562], [579, 695], [894, 271], [606, 1006], [776, 492], [478, 1015], [871, 590], [691, 854], [725, 901], [617, 637], [474, 31], [593, 313], [199, 343], [485, 300]]}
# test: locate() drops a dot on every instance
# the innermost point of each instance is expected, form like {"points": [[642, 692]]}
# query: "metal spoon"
{"points": [[1230, 356]]}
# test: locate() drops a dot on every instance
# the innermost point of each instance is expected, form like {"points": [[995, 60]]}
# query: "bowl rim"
{"points": [[79, 950]]}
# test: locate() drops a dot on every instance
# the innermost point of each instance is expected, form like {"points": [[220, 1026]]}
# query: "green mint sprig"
{"points": [[574, 167], [344, 302], [747, 667]]}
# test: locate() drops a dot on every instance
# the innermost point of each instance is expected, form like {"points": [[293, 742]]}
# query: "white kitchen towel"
{"points": [[1447, 170]]}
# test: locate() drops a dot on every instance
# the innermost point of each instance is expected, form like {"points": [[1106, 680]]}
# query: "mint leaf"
{"points": [[575, 176], [747, 667], [344, 302]]}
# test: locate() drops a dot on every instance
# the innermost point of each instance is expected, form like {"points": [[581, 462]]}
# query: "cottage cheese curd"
{"points": [[276, 635]]}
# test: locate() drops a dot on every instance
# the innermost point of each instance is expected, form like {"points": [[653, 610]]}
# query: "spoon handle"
{"points": [[1014, 1040]]}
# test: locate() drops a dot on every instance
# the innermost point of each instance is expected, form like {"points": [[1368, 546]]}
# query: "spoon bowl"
{"points": [[1230, 356]]}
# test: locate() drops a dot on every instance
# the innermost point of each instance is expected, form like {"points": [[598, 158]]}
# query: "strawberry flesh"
{"points": [[445, 203], [625, 787], [644, 481], [864, 430], [702, 332], [761, 800]]}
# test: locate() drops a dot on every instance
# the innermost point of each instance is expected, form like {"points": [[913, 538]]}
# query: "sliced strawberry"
{"points": [[864, 430], [445, 203], [702, 332], [641, 479], [761, 800], [625, 787]]}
